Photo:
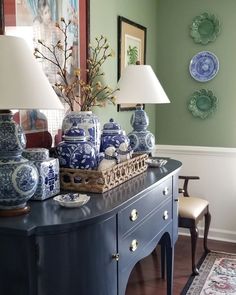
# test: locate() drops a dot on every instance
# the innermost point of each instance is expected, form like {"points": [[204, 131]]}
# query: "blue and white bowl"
{"points": [[72, 200]]}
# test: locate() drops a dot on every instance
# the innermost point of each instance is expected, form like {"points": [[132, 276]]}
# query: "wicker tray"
{"points": [[102, 181]]}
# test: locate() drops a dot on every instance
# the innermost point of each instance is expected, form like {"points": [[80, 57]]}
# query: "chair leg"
{"points": [[206, 230], [194, 238]]}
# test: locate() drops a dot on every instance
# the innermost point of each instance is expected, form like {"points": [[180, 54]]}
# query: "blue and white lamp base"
{"points": [[18, 176], [18, 183], [141, 140]]}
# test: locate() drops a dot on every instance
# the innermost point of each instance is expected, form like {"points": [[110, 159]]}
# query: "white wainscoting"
{"points": [[216, 168]]}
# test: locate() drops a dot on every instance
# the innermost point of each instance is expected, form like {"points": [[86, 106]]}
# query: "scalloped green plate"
{"points": [[202, 103], [205, 28]]}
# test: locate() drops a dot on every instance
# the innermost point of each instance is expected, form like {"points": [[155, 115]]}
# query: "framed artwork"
{"points": [[35, 20], [131, 48]]}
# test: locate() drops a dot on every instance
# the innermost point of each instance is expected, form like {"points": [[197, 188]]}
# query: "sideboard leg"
{"points": [[169, 267]]}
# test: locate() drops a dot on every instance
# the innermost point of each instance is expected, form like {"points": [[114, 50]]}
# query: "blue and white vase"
{"points": [[18, 176], [113, 135], [76, 151], [87, 121]]}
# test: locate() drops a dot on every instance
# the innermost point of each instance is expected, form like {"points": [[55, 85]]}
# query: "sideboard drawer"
{"points": [[132, 245], [137, 211]]}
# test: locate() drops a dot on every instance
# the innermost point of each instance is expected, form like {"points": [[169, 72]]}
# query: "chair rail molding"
{"points": [[196, 150], [216, 167]]}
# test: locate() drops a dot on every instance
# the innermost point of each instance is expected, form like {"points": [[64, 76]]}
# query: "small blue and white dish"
{"points": [[204, 66], [72, 200]]}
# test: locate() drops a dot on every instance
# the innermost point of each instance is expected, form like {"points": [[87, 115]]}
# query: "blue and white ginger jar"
{"points": [[76, 151], [87, 121], [113, 135]]}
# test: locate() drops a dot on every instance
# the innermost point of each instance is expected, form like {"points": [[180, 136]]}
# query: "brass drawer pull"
{"points": [[116, 256], [165, 191], [133, 215], [165, 215], [134, 245]]}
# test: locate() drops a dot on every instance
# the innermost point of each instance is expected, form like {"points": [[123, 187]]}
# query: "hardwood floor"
{"points": [[145, 278]]}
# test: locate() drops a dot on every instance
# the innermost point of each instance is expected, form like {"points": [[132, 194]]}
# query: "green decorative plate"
{"points": [[204, 28], [202, 103]]}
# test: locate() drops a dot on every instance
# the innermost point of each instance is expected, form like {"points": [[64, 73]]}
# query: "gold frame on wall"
{"points": [[130, 36]]}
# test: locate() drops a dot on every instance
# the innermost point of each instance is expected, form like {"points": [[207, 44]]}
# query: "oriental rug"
{"points": [[217, 276]]}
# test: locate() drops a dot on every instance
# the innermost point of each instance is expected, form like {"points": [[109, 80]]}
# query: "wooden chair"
{"points": [[191, 211]]}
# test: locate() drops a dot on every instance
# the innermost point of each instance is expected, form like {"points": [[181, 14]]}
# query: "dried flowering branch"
{"points": [[71, 87]]}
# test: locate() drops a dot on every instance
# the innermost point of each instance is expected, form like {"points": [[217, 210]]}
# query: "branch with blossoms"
{"points": [[71, 87]]}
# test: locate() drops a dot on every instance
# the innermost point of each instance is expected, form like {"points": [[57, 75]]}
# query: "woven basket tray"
{"points": [[102, 181]]}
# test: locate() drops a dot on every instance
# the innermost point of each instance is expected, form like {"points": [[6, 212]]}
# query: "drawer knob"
{"points": [[133, 215], [165, 191], [165, 215], [116, 256], [134, 245]]}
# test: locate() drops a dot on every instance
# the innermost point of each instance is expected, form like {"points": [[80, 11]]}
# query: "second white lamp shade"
{"points": [[139, 85]]}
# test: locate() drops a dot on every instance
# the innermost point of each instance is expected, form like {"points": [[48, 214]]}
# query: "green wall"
{"points": [[169, 51], [103, 20], [174, 49]]}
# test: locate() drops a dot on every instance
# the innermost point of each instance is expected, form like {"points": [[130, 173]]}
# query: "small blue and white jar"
{"points": [[76, 151], [48, 170], [112, 135]]}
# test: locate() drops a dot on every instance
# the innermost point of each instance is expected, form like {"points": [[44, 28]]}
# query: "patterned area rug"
{"points": [[217, 276]]}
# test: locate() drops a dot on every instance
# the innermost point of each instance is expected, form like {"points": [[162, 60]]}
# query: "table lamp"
{"points": [[139, 85], [23, 85]]}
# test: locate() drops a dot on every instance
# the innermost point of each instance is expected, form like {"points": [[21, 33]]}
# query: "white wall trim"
{"points": [[216, 167], [196, 150], [214, 234]]}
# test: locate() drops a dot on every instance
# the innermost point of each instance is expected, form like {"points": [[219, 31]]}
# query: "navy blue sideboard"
{"points": [[91, 250]]}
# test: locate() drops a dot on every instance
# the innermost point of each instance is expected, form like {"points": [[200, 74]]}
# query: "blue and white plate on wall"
{"points": [[204, 66]]}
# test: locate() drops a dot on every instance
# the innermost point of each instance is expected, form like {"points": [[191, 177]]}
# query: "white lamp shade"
{"points": [[23, 84], [139, 85]]}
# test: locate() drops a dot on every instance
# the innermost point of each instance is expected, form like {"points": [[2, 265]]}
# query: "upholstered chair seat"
{"points": [[192, 208]]}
